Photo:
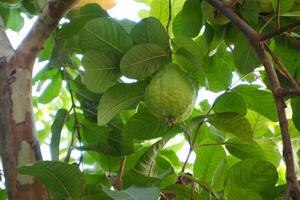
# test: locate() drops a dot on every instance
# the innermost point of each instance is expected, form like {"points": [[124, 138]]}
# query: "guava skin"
{"points": [[170, 94], [213, 15]]}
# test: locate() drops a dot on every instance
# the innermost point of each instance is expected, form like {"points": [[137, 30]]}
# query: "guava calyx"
{"points": [[170, 95]]}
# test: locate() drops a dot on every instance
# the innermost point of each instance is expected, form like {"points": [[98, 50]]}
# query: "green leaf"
{"points": [[285, 5], [261, 101], [47, 50], [265, 150], [238, 194], [12, 18], [230, 102], [133, 193], [217, 72], [63, 180], [288, 54], [258, 122], [159, 9], [101, 71], [142, 61], [150, 30], [52, 89], [110, 143], [56, 129], [233, 123], [250, 11], [245, 57], [207, 160], [105, 35], [119, 97], [253, 175], [146, 164], [191, 18], [295, 104], [144, 126]]}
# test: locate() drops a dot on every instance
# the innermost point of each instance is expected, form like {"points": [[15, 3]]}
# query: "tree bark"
{"points": [[18, 141]]}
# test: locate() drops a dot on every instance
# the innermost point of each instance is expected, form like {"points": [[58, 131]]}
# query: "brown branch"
{"points": [[192, 143], [283, 69], [292, 188], [281, 30], [43, 27], [120, 174], [278, 15], [283, 92]]}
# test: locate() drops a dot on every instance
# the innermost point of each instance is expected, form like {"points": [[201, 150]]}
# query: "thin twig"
{"points": [[76, 128], [282, 29], [192, 142], [278, 15], [293, 187], [170, 16], [283, 69], [120, 174]]}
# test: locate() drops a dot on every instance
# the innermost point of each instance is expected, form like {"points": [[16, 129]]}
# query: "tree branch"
{"points": [[120, 174], [292, 188], [43, 27], [279, 31], [283, 69]]}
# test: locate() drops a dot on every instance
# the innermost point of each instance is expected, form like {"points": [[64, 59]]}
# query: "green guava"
{"points": [[11, 2], [265, 6], [213, 15], [170, 94]]}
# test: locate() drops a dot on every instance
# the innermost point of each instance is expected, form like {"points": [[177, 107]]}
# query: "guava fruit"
{"points": [[265, 6], [105, 4], [171, 95], [213, 15]]}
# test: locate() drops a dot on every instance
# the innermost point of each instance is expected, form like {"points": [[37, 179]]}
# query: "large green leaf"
{"points": [[261, 101], [119, 97], [105, 35], [105, 140], [144, 126], [230, 102], [233, 123], [101, 71], [133, 193], [238, 194], [245, 57], [288, 54], [191, 18], [259, 123], [63, 180], [207, 160], [295, 104], [253, 175], [150, 30], [52, 89], [142, 61], [218, 73], [146, 164], [56, 129], [265, 150]]}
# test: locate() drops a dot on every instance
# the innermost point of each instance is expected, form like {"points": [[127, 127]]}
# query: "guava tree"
{"points": [[114, 138]]}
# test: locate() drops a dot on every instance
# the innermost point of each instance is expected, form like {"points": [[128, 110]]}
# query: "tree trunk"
{"points": [[18, 141], [19, 144]]}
